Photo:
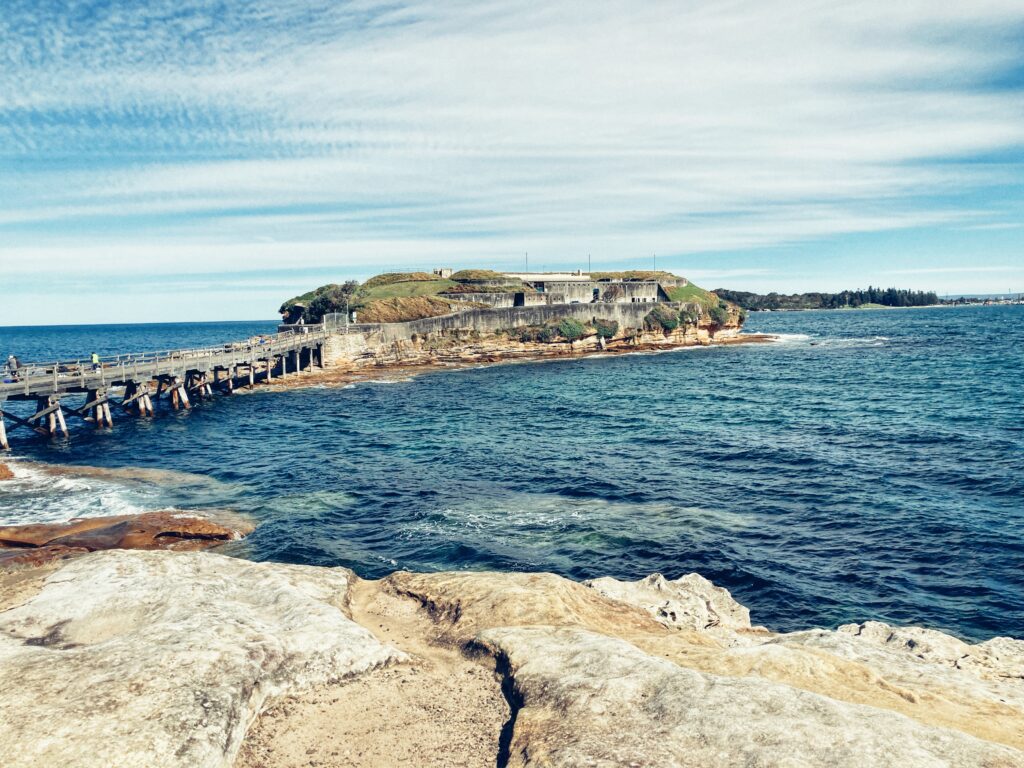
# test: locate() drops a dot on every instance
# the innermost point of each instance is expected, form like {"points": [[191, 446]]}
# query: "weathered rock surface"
{"points": [[32, 557], [163, 659], [834, 664], [589, 700], [690, 602], [33, 544], [158, 659], [465, 604]]}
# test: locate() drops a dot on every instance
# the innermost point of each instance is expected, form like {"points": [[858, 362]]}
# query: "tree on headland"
{"points": [[312, 306], [885, 297]]}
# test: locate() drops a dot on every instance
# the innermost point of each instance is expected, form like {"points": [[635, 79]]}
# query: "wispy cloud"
{"points": [[194, 136], [957, 270]]}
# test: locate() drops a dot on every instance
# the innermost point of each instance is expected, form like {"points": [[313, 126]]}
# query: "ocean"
{"points": [[868, 465]]}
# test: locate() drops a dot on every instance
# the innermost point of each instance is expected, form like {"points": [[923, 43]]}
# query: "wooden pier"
{"points": [[137, 383]]}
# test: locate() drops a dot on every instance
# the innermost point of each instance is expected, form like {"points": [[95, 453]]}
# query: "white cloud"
{"points": [[956, 270], [366, 133]]}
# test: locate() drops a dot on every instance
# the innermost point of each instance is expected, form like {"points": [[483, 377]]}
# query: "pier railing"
{"points": [[59, 375]]}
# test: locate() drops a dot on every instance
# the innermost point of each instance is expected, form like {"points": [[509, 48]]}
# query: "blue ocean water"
{"points": [[870, 465]]}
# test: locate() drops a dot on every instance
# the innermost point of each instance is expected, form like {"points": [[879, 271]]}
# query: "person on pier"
{"points": [[95, 361], [13, 365]]}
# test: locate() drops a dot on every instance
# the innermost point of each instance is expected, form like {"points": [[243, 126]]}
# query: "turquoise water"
{"points": [[868, 466]]}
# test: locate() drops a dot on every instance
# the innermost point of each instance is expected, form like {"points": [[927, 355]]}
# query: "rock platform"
{"points": [[171, 658]]}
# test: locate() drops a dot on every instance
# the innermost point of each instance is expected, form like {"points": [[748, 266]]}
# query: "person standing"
{"points": [[95, 361], [13, 364]]}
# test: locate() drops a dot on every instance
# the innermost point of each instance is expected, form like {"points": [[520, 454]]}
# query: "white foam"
{"points": [[790, 338], [34, 495]]}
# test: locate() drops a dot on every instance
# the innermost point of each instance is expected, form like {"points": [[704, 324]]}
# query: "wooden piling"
{"points": [[131, 397], [184, 399], [4, 445], [59, 413]]}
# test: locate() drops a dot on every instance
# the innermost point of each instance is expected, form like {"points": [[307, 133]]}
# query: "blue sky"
{"points": [[180, 159]]}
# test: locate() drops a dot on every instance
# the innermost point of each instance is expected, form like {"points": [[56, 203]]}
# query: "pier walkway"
{"points": [[134, 382]]}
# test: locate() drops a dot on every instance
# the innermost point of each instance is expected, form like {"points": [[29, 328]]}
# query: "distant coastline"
{"points": [[870, 298]]}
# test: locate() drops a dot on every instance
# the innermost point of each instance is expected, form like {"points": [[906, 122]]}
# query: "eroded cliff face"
{"points": [[195, 659], [362, 350]]}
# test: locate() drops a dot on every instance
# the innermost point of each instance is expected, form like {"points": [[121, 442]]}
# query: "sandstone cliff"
{"points": [[367, 350], [195, 659]]}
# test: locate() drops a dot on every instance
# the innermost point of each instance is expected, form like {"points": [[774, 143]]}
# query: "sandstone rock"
{"points": [[5, 472], [464, 604], [822, 662], [33, 557], [690, 602], [163, 658], [998, 658], [587, 699], [937, 678], [150, 530]]}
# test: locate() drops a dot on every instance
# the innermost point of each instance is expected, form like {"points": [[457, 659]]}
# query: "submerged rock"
{"points": [[5, 472], [150, 530], [163, 659]]}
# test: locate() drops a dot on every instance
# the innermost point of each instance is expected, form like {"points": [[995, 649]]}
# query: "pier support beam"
{"points": [[179, 395], [137, 396], [4, 445], [59, 413]]}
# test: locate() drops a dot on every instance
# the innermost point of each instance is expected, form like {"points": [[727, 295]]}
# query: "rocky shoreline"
{"points": [[400, 361], [184, 658]]}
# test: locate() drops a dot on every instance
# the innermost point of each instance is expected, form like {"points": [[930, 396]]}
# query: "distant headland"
{"points": [[870, 298]]}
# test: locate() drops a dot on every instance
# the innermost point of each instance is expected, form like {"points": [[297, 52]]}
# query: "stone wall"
{"points": [[504, 300], [342, 347], [583, 292], [629, 292], [491, 320], [494, 300]]}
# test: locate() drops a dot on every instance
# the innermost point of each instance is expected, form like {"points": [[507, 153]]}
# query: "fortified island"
{"points": [[480, 315], [392, 321]]}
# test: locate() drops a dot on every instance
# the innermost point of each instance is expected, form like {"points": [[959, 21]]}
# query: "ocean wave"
{"points": [[50, 493], [36, 495], [790, 338]]}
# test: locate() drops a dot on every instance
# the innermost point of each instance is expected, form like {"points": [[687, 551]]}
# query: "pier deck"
{"points": [[134, 381]]}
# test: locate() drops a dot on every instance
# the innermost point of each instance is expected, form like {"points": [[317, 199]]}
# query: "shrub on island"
{"points": [[606, 329], [689, 315], [661, 318], [571, 329], [719, 314]]}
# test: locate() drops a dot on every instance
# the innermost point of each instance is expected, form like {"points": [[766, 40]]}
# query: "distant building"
{"points": [[443, 272], [580, 288]]}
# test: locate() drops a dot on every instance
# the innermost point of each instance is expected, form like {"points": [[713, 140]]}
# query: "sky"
{"points": [[174, 159]]}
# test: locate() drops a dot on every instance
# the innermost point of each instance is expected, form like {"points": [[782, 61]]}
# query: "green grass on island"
{"points": [[401, 296], [404, 289]]}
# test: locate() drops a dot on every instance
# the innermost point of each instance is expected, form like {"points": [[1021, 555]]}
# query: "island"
{"points": [[472, 316]]}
